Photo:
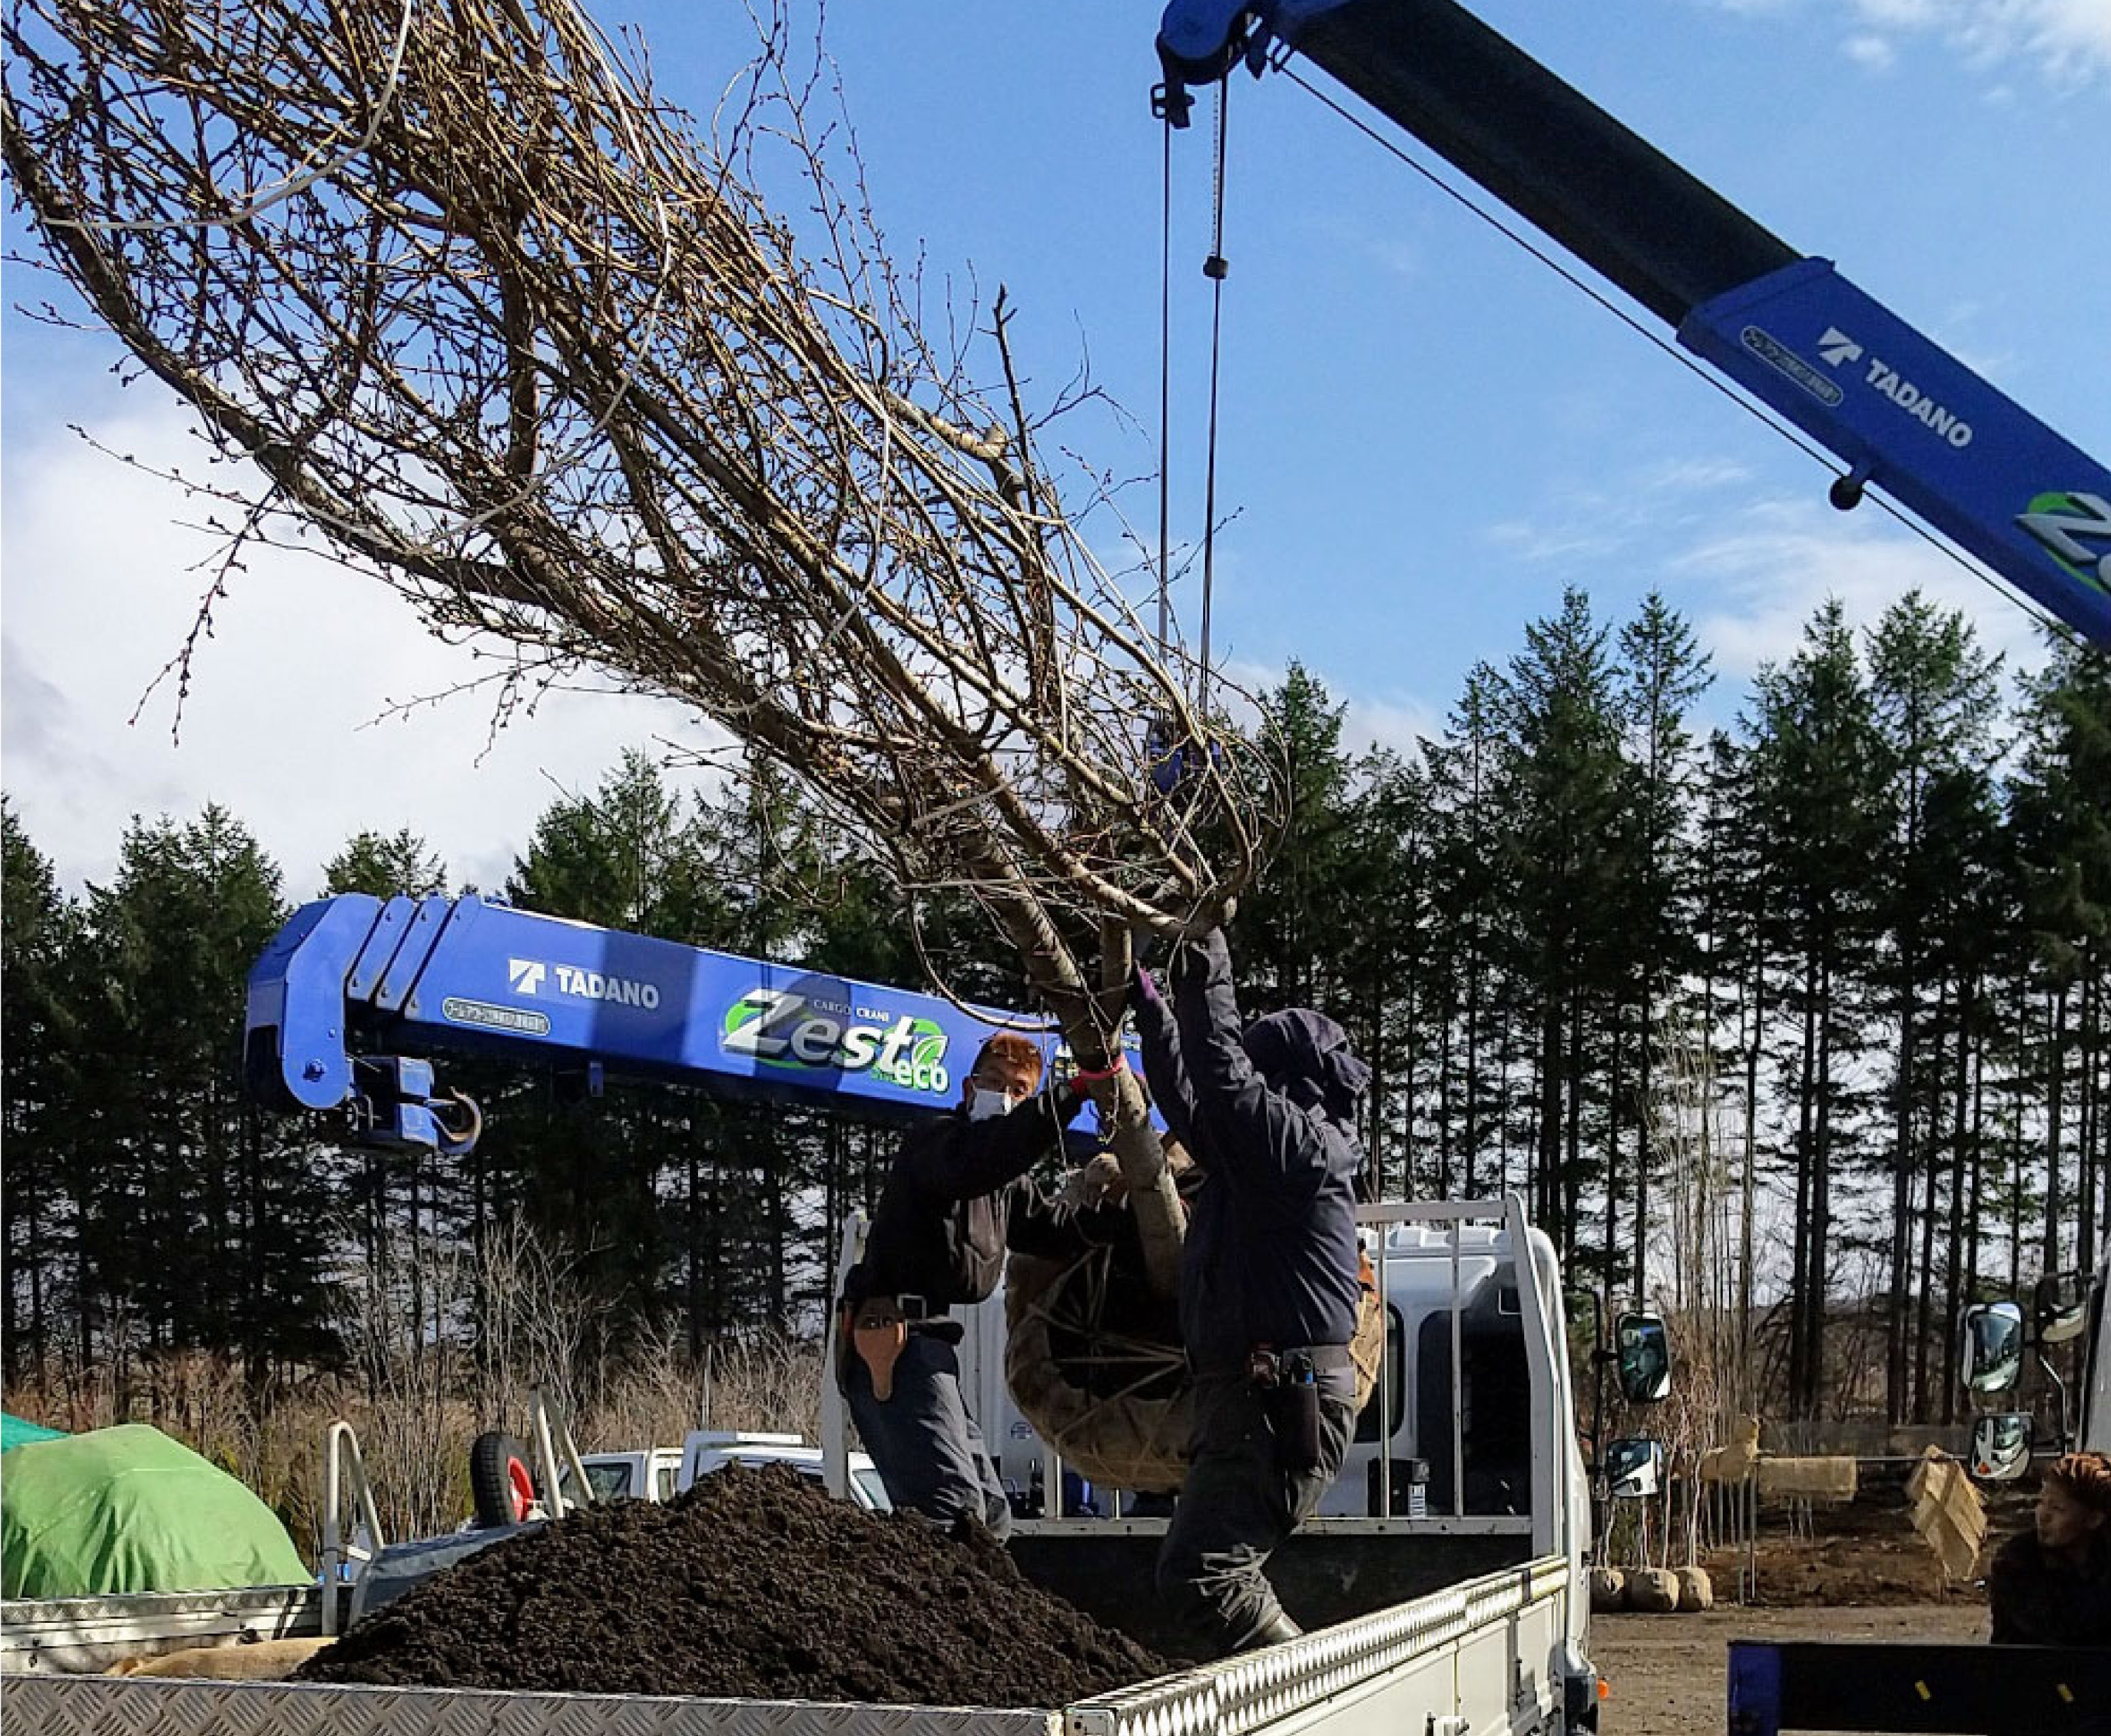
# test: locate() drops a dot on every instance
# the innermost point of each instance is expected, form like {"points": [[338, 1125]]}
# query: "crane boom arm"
{"points": [[356, 994], [1897, 409]]}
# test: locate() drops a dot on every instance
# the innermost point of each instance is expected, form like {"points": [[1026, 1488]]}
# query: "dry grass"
{"points": [[438, 1348]]}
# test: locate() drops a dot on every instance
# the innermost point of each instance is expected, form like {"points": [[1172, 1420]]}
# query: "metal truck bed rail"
{"points": [[79, 1636], [1478, 1650]]}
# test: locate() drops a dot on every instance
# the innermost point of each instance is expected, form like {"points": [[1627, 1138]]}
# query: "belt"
{"points": [[1325, 1359], [914, 1310]]}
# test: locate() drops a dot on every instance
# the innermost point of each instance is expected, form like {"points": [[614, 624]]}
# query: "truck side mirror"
{"points": [[1642, 1351], [1992, 1346], [2001, 1447], [2060, 1307], [1634, 1468]]}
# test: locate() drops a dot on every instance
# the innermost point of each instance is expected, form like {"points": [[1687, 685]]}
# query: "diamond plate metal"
{"points": [[93, 1706], [1242, 1694]]}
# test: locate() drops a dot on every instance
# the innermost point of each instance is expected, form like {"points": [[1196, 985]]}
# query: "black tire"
{"points": [[499, 1478]]}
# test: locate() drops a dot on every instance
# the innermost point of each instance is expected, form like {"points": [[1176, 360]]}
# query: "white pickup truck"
{"points": [[1467, 1618], [661, 1473]]}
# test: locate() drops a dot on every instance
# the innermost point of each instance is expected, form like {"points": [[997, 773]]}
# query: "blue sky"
{"points": [[1426, 434]]}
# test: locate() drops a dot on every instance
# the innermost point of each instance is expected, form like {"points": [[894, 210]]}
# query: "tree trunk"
{"points": [[1547, 1154], [1821, 1203], [1902, 1167], [2087, 1108], [1806, 1171], [1613, 1264], [1749, 1190], [1954, 1261], [2055, 1102]]}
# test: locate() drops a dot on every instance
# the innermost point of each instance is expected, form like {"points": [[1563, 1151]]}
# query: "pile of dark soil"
{"points": [[754, 1585]]}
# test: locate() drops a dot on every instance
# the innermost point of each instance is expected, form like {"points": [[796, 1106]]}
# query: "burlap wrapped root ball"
{"points": [[1608, 1590], [1696, 1591], [1653, 1590], [1094, 1363]]}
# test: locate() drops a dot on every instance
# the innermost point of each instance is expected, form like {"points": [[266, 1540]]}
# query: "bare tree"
{"points": [[405, 1341], [537, 1318], [514, 336]]}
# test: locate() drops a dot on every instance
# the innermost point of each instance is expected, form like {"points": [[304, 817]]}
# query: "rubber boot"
{"points": [[1280, 1628]]}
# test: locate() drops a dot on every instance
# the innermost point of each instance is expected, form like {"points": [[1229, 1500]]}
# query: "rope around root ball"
{"points": [[1111, 1395]]}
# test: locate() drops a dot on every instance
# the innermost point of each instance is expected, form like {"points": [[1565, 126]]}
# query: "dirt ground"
{"points": [[1863, 1553], [1669, 1673], [754, 1584]]}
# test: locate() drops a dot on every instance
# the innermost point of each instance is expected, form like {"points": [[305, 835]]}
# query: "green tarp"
{"points": [[19, 1431], [129, 1510]]}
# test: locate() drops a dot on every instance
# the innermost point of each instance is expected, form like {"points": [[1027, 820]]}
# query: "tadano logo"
{"points": [[1837, 347], [527, 976]]}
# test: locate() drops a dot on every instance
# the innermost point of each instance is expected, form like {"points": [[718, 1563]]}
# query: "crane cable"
{"points": [[1165, 393], [2057, 629], [1216, 268]]}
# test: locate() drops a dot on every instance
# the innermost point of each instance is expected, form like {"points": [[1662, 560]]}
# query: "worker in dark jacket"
{"points": [[2051, 1586], [937, 1242], [1268, 1293]]}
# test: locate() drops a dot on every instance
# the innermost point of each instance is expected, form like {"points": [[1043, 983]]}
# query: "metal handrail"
{"points": [[341, 1449]]}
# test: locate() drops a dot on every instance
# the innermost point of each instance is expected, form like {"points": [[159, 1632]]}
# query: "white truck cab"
{"points": [[660, 1473]]}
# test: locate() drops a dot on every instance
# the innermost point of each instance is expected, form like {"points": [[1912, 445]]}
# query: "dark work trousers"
{"points": [[923, 1442], [1235, 1509]]}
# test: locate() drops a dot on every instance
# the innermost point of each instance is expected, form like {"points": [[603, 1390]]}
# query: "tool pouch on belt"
{"points": [[1292, 1406], [878, 1333]]}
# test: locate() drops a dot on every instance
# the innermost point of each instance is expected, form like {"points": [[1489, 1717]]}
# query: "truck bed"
{"points": [[1487, 1651]]}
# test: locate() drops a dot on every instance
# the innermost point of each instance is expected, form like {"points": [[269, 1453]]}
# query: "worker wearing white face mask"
{"points": [[938, 1243]]}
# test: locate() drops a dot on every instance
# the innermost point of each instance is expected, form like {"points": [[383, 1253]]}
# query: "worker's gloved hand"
{"points": [[1097, 1182], [1143, 991]]}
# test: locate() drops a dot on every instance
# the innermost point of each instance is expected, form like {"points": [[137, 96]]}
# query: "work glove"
{"points": [[1096, 1182]]}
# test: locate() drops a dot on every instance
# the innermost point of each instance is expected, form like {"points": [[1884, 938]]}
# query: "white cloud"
{"points": [[1777, 561], [281, 722], [1388, 248], [1899, 14], [1401, 722], [1874, 53], [1582, 524], [2069, 41], [1397, 720]]}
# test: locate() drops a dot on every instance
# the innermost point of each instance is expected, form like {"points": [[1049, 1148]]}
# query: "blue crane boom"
{"points": [[1897, 409], [356, 995]]}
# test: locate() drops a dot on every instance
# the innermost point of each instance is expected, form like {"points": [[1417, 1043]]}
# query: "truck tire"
{"points": [[499, 1478]]}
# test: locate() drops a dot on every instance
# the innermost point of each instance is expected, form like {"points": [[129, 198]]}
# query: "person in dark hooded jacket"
{"points": [[1269, 1291], [2051, 1586]]}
